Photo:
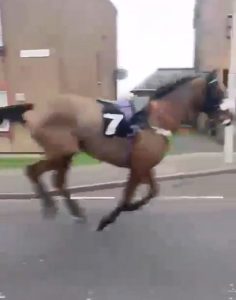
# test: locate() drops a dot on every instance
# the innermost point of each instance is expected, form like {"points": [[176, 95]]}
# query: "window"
{"points": [[4, 126]]}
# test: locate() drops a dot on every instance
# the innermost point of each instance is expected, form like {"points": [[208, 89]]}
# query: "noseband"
{"points": [[212, 103], [213, 81]]}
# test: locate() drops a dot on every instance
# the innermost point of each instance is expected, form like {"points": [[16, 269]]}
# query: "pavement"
{"points": [[14, 181], [194, 142], [177, 247]]}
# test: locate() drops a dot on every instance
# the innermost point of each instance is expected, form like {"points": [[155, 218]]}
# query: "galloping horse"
{"points": [[114, 134]]}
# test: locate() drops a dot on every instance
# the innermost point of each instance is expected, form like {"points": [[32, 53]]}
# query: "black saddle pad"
{"points": [[120, 118]]}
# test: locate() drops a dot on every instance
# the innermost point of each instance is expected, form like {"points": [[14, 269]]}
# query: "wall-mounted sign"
{"points": [[35, 53], [20, 97]]}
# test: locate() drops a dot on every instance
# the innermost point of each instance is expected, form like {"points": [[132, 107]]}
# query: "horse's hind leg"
{"points": [[59, 181], [57, 142], [34, 172]]}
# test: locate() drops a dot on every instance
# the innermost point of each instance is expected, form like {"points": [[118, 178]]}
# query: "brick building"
{"points": [[212, 24], [212, 29], [79, 42]]}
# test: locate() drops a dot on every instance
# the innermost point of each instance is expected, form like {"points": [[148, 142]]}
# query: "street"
{"points": [[175, 248]]}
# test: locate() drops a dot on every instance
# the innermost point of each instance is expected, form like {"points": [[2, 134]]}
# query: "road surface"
{"points": [[175, 248]]}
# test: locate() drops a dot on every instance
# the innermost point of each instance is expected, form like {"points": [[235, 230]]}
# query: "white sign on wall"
{"points": [[20, 97], [35, 53]]}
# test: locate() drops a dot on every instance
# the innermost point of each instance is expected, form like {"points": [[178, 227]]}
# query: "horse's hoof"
{"points": [[80, 216], [103, 224], [100, 227], [80, 219], [50, 212]]}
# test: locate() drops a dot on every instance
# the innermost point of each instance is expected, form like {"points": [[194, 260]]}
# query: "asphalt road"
{"points": [[174, 248]]}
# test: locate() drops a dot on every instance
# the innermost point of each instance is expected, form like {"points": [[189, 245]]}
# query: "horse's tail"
{"points": [[14, 113]]}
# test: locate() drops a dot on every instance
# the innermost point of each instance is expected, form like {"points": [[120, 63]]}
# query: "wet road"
{"points": [[174, 248]]}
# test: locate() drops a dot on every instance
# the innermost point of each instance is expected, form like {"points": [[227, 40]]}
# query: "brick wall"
{"points": [[212, 47], [81, 36]]}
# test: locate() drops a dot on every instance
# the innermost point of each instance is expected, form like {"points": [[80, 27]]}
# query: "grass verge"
{"points": [[17, 162]]}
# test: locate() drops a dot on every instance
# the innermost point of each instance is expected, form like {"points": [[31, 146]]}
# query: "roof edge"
{"points": [[176, 69], [113, 6]]}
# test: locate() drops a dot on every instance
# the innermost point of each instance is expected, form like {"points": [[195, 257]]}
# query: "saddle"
{"points": [[121, 119]]}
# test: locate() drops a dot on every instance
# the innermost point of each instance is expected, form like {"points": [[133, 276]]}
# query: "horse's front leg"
{"points": [[153, 191], [125, 204], [127, 197]]}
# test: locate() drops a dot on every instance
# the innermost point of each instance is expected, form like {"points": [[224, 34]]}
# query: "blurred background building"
{"points": [[54, 46], [212, 26]]}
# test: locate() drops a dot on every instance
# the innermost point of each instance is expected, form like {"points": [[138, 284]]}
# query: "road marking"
{"points": [[73, 198], [2, 296], [189, 197], [88, 198], [160, 198]]}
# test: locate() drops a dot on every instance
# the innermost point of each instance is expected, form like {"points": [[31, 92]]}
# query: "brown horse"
{"points": [[106, 131]]}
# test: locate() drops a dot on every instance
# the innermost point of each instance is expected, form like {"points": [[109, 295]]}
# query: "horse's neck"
{"points": [[165, 114], [180, 105]]}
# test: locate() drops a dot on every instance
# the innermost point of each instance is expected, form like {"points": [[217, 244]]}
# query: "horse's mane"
{"points": [[171, 86]]}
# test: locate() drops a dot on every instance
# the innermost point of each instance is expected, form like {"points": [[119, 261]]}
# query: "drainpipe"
{"points": [[229, 131]]}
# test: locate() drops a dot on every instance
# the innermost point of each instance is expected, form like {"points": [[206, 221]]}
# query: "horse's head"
{"points": [[183, 100], [213, 103]]}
